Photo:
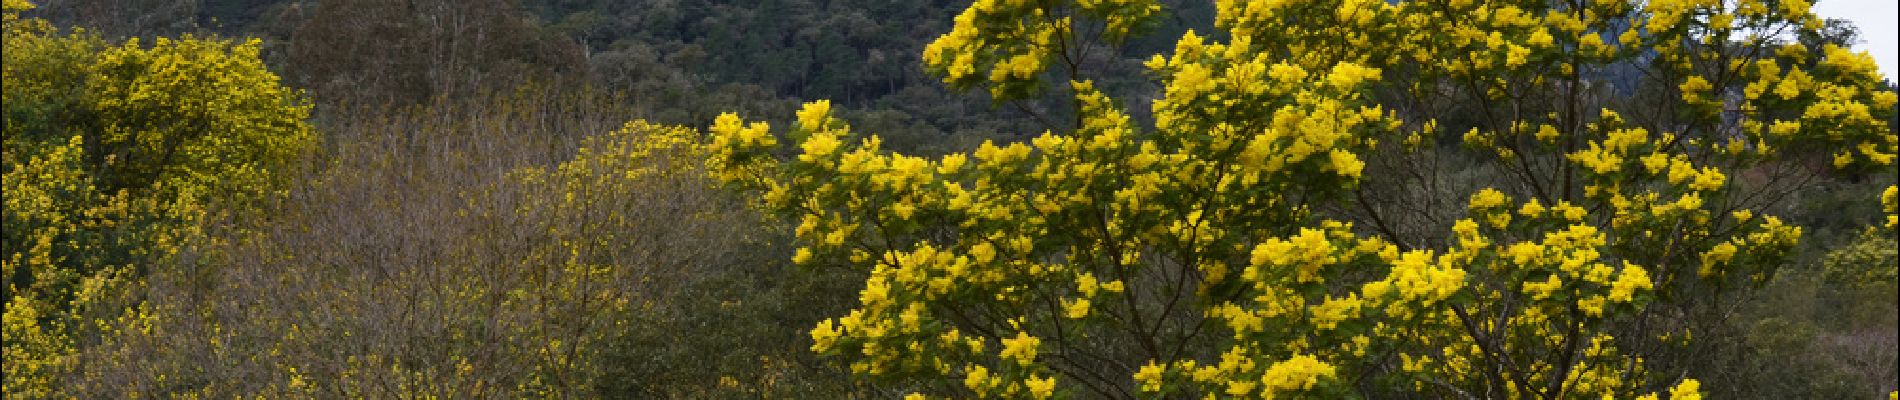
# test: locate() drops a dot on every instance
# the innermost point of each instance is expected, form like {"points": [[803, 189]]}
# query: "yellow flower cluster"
{"points": [[1015, 41], [1568, 255], [1890, 202], [736, 146], [1226, 97], [1688, 389], [1293, 375]]}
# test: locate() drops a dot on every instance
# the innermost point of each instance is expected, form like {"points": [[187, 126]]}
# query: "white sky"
{"points": [[1878, 25]]}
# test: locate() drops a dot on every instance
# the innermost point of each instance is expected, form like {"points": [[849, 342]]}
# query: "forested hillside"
{"points": [[1670, 199]]}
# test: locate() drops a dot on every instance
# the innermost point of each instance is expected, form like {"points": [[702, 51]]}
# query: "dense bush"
{"points": [[1121, 260]]}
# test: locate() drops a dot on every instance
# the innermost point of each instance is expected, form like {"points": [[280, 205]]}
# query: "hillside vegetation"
{"points": [[1670, 199]]}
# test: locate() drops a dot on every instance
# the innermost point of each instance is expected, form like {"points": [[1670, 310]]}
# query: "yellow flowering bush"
{"points": [[1106, 216], [202, 116], [1206, 254], [112, 154]]}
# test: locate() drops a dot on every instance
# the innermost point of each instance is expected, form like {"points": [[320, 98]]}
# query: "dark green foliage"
{"points": [[405, 52]]}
